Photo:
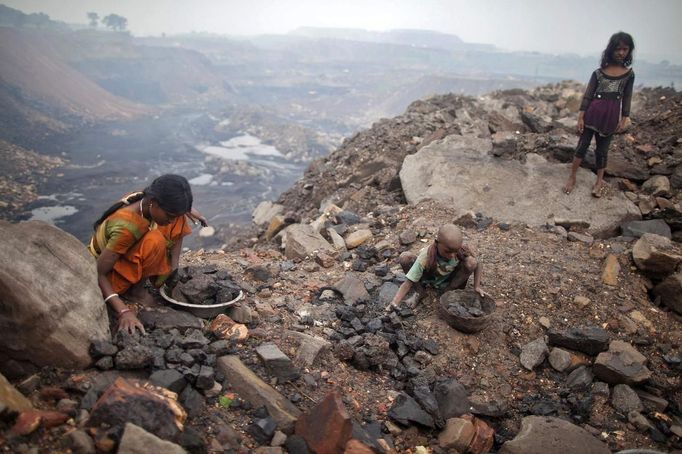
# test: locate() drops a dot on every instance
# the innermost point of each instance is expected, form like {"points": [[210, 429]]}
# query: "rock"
{"points": [[544, 322], [327, 427], [192, 401], [262, 429], [251, 388], [258, 272], [484, 436], [268, 450], [355, 239], [387, 292], [223, 327], [170, 379], [265, 211], [548, 435], [458, 433], [240, 313], [46, 276], [533, 353], [406, 411], [471, 179], [309, 347], [622, 363], [636, 229], [193, 339], [610, 270], [581, 378], [581, 301], [151, 408], [325, 260], [357, 447], [655, 255], [102, 348], [80, 442], [651, 402], [352, 289], [625, 399], [670, 291], [587, 339], [426, 399], [276, 226], [639, 421], [277, 363], [564, 361], [12, 399], [578, 225], [347, 217], [206, 378], [338, 242], [133, 357], [26, 423], [452, 398], [638, 317], [578, 237], [278, 439], [658, 185], [295, 444], [407, 238], [136, 440], [619, 165], [167, 318], [303, 241]]}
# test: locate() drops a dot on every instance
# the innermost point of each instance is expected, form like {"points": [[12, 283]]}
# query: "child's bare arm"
{"points": [[477, 280], [402, 291]]}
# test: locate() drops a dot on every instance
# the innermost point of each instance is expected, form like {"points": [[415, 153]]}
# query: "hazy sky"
{"points": [[578, 26]]}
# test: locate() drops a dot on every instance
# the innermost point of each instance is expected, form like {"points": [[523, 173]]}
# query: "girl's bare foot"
{"points": [[570, 184], [598, 190]]}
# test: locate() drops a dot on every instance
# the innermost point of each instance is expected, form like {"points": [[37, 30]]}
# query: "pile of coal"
{"points": [[203, 285]]}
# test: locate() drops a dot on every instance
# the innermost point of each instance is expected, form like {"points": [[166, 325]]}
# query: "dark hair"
{"points": [[616, 39], [171, 192]]}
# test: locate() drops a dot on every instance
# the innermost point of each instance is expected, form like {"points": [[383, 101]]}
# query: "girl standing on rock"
{"points": [[141, 237], [605, 108]]}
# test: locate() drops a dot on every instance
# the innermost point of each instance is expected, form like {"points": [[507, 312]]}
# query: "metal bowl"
{"points": [[200, 310]]}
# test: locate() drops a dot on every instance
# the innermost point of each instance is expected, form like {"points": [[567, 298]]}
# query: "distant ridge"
{"points": [[406, 37]]}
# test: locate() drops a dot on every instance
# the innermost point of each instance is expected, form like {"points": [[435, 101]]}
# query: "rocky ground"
{"points": [[22, 173], [584, 329]]}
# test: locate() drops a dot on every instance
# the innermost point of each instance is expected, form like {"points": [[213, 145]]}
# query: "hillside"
{"points": [[585, 333]]}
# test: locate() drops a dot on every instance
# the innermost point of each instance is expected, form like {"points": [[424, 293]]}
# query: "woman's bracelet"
{"points": [[123, 312], [110, 296]]}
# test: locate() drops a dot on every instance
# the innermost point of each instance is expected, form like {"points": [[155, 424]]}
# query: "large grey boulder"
{"points": [[547, 435], [51, 307], [461, 173]]}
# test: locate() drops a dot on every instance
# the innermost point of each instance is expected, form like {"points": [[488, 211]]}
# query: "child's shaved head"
{"points": [[450, 235]]}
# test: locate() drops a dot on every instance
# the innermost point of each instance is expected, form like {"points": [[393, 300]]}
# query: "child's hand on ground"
{"points": [[128, 322], [480, 291]]}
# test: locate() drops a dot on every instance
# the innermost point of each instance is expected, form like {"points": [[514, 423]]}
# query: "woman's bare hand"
{"points": [[129, 322]]}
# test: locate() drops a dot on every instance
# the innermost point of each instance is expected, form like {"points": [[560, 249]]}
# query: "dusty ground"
{"points": [[531, 274]]}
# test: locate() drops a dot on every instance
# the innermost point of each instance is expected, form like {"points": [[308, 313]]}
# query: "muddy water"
{"points": [[108, 161]]}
